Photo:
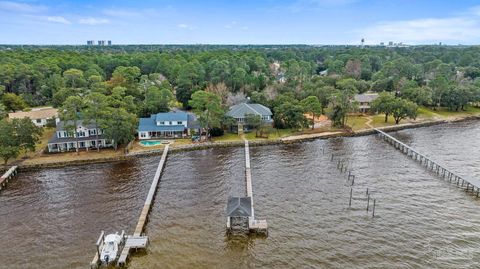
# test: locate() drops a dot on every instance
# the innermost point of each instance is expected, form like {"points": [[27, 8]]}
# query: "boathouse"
{"points": [[85, 135], [239, 210]]}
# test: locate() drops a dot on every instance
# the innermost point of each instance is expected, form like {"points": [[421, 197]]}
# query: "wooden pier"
{"points": [[254, 226], [138, 240], [468, 184], [7, 176]]}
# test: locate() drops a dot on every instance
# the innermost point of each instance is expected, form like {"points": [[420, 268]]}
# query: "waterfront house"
{"points": [[173, 124], [86, 135], [365, 101], [39, 116], [239, 112]]}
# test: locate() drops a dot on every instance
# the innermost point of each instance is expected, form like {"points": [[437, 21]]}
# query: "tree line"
{"points": [[136, 81]]}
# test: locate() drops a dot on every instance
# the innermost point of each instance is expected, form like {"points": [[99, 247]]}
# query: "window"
{"points": [[142, 135], [171, 123], [39, 120], [161, 123], [179, 122]]}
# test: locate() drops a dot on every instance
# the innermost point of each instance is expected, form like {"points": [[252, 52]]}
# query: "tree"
{"points": [[27, 134], [439, 86], [420, 95], [3, 111], [157, 100], [74, 78], [402, 109], [312, 106], [95, 107], [384, 104], [208, 108], [13, 102], [118, 125], [254, 121], [9, 147], [71, 115], [288, 112], [341, 104]]}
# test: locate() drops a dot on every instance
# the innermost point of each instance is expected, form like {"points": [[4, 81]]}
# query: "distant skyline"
{"points": [[240, 22]]}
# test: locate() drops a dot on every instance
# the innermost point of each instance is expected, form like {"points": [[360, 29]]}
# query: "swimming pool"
{"points": [[152, 143]]}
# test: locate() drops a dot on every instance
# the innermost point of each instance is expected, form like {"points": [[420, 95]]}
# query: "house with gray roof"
{"points": [[85, 135], [173, 124], [239, 112], [365, 101]]}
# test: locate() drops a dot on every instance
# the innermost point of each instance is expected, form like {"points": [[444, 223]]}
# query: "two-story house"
{"points": [[365, 101], [85, 135], [173, 124]]}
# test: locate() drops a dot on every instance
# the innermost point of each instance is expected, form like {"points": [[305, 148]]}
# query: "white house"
{"points": [[174, 124], [39, 116], [85, 135]]}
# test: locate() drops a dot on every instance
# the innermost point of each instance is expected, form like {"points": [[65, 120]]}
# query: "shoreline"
{"points": [[253, 143]]}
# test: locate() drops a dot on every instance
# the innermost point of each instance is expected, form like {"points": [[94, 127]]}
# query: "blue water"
{"points": [[150, 143]]}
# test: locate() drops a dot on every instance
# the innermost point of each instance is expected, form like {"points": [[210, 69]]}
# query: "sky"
{"points": [[240, 21]]}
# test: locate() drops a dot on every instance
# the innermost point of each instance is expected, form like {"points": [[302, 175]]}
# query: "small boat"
{"points": [[110, 248]]}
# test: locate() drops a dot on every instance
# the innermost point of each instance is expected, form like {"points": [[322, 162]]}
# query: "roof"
{"points": [[242, 109], [61, 125], [35, 113], [366, 97], [172, 116], [150, 124], [54, 139], [239, 207]]}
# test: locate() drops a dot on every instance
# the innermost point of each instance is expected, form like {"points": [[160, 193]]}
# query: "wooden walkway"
{"points": [[469, 184], [7, 176], [137, 240], [257, 226]]}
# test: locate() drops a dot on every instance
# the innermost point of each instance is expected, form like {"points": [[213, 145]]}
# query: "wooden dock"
{"points": [[138, 240], [12, 171], [254, 226], [468, 184]]}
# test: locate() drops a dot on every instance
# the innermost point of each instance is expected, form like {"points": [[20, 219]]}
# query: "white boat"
{"points": [[110, 248]]}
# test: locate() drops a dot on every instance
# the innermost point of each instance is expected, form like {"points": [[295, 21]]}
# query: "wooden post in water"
{"points": [[368, 201], [373, 212], [350, 201]]}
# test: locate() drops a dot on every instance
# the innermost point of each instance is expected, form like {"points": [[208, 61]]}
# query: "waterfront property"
{"points": [[365, 101], [39, 116], [173, 124], [85, 135], [240, 111]]}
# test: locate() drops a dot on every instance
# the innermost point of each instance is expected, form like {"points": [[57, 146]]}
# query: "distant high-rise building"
{"points": [[109, 42], [101, 42], [363, 42], [382, 44], [90, 42], [390, 43]]}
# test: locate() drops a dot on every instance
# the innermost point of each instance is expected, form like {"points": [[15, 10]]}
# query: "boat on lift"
{"points": [[110, 248]]}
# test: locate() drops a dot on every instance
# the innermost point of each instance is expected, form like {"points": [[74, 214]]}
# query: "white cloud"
{"points": [[186, 26], [93, 21], [21, 7], [58, 19], [426, 30], [121, 13]]}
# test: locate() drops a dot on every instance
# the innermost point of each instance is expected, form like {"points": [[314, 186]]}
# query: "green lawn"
{"points": [[357, 122], [469, 111], [227, 137]]}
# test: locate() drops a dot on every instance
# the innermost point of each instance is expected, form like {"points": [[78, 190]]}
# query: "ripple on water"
{"points": [[53, 216]]}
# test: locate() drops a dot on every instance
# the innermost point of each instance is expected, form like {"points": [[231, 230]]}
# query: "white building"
{"points": [[85, 135], [39, 116]]}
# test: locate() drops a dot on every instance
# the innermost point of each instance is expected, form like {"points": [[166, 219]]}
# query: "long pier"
{"points": [[7, 176], [240, 210], [469, 184], [138, 240]]}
